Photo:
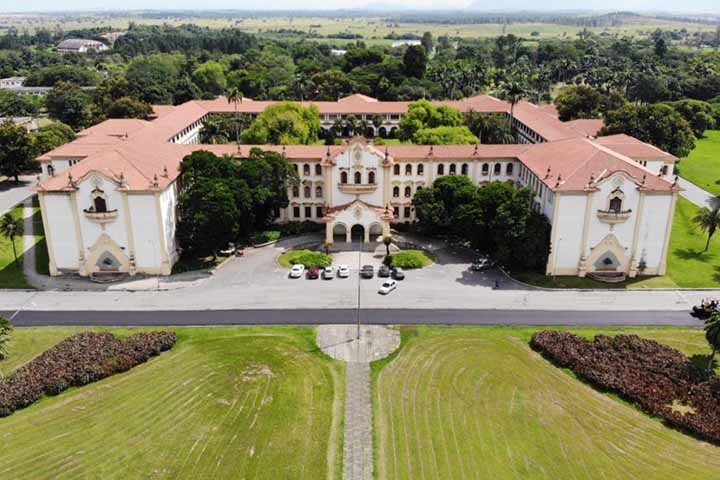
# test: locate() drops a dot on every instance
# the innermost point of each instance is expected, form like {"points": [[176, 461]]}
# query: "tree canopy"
{"points": [[16, 150], [424, 115], [284, 123]]}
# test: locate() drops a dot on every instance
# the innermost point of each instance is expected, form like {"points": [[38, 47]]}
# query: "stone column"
{"points": [[348, 234], [366, 231], [329, 232]]}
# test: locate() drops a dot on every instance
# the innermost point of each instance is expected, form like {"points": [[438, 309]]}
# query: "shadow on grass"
{"points": [[688, 254], [12, 275]]}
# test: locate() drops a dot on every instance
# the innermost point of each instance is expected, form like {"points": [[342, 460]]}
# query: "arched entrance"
{"points": [[376, 231], [339, 233], [357, 233]]}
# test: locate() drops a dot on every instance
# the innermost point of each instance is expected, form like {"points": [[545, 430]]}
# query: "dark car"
{"points": [[384, 271], [398, 274], [313, 273], [482, 263], [367, 271]]}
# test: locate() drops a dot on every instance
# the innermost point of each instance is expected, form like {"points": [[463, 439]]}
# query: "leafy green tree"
{"points": [[284, 123], [51, 136], [445, 136], [579, 101], [422, 115], [427, 42], [6, 329], [210, 78], [708, 220], [152, 79], [387, 241], [657, 124], [214, 132], [235, 97], [490, 128], [331, 85], [699, 114], [513, 92], [50, 75], [129, 107], [415, 61], [11, 227], [712, 335], [69, 104], [14, 105], [16, 150]]}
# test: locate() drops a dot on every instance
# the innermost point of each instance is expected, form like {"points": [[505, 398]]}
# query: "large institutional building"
{"points": [[109, 198]]}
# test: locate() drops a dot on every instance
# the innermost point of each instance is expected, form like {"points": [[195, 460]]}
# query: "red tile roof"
{"points": [[635, 149]]}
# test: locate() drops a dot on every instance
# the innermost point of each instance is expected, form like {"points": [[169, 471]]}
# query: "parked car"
{"points": [[482, 263], [313, 273], [398, 273], [384, 271], [297, 271], [387, 287], [343, 271], [328, 273], [367, 271]]}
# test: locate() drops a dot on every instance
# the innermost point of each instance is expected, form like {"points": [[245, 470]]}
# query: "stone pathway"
{"points": [[698, 196], [341, 342]]}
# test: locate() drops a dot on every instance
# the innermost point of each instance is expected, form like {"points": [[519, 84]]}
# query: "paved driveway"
{"points": [[12, 193]]}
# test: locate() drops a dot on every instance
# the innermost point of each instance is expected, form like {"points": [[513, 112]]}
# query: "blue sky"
{"points": [[634, 5]]}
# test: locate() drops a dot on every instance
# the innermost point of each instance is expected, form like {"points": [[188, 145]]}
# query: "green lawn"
{"points": [[11, 275], [477, 402], [308, 258], [702, 166], [409, 259], [239, 402]]}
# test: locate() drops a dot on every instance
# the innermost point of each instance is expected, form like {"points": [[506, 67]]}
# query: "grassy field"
{"points": [[11, 275], [688, 266], [702, 166], [224, 403], [372, 29], [477, 402]]}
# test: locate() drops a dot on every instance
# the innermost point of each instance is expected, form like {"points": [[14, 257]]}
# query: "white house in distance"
{"points": [[80, 45], [108, 199]]}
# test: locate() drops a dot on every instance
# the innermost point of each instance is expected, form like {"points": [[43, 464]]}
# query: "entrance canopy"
{"points": [[366, 222]]}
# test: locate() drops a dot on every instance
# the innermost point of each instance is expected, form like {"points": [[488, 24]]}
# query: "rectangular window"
{"points": [[319, 212], [308, 212], [396, 212], [406, 213], [296, 212]]}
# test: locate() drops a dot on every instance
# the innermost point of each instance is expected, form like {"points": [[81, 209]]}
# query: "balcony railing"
{"points": [[101, 217], [613, 216], [357, 188]]}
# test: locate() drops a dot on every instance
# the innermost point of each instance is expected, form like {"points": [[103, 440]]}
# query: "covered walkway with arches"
{"points": [[357, 222]]}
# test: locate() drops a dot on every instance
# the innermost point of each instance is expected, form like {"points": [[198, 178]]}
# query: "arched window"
{"points": [[343, 177], [485, 168], [371, 178], [306, 191], [296, 191], [497, 169], [418, 189], [297, 168], [509, 169], [318, 192], [420, 169], [358, 178], [51, 170], [99, 204], [464, 169], [408, 192], [396, 169], [408, 169], [453, 169], [306, 169], [318, 169], [396, 192], [441, 169], [615, 205]]}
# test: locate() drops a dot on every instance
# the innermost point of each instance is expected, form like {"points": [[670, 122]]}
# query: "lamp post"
{"points": [[357, 313]]}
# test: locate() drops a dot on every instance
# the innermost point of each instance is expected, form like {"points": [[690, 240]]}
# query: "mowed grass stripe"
{"points": [[225, 403], [479, 403]]}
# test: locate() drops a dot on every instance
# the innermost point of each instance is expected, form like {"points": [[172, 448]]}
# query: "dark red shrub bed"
{"points": [[78, 360], [644, 372]]}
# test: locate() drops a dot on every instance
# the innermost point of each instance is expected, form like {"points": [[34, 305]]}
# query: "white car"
{"points": [[343, 271], [297, 271], [328, 273], [387, 287]]}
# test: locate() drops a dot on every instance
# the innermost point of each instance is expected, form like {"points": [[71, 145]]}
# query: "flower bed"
{"points": [[657, 378], [78, 360]]}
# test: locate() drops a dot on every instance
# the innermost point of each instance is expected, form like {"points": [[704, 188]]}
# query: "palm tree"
{"points": [[5, 331], [708, 220], [387, 241], [234, 96], [512, 92], [10, 227], [213, 132], [712, 335]]}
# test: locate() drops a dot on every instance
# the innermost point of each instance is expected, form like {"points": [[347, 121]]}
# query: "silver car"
{"points": [[328, 273]]}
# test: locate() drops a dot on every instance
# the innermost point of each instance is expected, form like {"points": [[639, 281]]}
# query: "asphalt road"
{"points": [[29, 318]]}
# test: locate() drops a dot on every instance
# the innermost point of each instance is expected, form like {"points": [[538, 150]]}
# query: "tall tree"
{"points": [[708, 220], [712, 335], [512, 92], [11, 227], [16, 150], [235, 97], [415, 61], [69, 104], [284, 124]]}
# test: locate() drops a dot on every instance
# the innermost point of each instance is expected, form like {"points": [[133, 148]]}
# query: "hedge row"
{"points": [[78, 360], [651, 375]]}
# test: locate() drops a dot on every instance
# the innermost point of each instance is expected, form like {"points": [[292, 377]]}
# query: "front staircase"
{"points": [[608, 277]]}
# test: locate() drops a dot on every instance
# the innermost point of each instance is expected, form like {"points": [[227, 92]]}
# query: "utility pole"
{"points": [[358, 290]]}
